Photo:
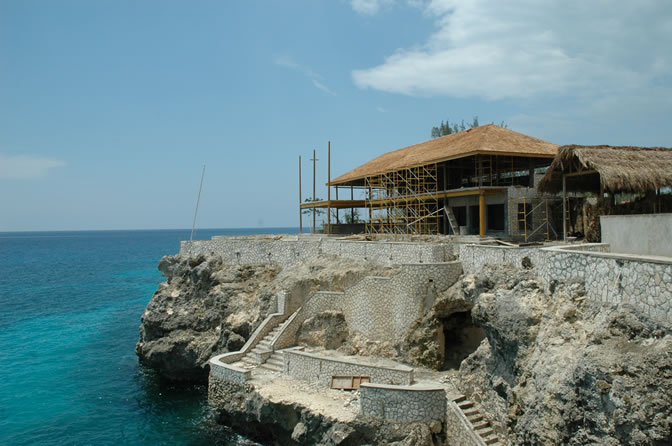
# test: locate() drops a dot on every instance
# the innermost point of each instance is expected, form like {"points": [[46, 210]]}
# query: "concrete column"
{"points": [[481, 212], [564, 207]]}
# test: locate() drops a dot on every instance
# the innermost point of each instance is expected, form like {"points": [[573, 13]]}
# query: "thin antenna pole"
{"points": [[300, 214], [193, 226], [328, 187]]}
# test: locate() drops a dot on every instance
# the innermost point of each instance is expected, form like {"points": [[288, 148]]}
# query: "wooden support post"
{"points": [[300, 211], [481, 212], [564, 207], [352, 210], [337, 221], [328, 187]]}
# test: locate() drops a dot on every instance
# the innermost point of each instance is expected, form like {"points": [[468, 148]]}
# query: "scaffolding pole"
{"points": [[300, 211]]}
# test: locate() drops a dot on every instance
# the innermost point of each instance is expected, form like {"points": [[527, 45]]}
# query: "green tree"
{"points": [[446, 128], [318, 211]]}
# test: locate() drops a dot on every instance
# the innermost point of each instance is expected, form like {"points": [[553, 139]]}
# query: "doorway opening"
{"points": [[461, 338]]}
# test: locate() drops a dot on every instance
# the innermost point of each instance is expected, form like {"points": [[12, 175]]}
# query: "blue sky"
{"points": [[109, 109]]}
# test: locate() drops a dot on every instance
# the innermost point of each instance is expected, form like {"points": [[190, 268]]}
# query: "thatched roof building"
{"points": [[609, 169], [487, 139]]}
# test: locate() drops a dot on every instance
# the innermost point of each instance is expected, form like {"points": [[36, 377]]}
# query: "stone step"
{"points": [[482, 425], [460, 398], [486, 433], [275, 363], [272, 367], [250, 361], [466, 404], [471, 412], [491, 440], [258, 349], [475, 418], [254, 357]]}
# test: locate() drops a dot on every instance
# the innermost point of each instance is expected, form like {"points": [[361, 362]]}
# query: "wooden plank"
{"points": [[502, 242], [348, 382]]}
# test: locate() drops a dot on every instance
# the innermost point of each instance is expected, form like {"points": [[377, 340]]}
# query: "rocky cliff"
{"points": [[206, 307], [559, 370], [546, 369]]}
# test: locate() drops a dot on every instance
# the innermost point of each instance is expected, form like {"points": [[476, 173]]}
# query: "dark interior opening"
{"points": [[460, 213], [461, 337], [474, 219], [496, 217]]}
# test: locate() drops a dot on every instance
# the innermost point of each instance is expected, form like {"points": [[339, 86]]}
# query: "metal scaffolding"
{"points": [[404, 201], [533, 218]]}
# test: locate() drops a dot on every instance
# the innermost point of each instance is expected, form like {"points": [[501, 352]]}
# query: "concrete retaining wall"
{"points": [[403, 403], [317, 368], [649, 234], [288, 251], [644, 283]]}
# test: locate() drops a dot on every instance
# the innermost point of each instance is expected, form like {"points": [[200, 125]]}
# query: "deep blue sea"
{"points": [[70, 307]]}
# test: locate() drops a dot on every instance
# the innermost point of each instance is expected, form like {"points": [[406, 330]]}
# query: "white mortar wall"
{"points": [[648, 234]]}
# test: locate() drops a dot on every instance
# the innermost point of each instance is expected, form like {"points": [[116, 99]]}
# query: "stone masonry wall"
{"points": [[403, 403], [227, 372], [287, 252], [644, 283], [319, 368], [380, 308]]}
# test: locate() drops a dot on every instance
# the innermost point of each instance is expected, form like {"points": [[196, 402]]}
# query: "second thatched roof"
{"points": [[620, 169]]}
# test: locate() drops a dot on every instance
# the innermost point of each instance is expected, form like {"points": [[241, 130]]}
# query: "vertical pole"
{"points": [[564, 207], [198, 200], [329, 187], [300, 215], [337, 220], [314, 160], [352, 210], [481, 212]]}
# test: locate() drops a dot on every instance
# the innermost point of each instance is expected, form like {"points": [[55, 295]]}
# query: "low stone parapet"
{"points": [[644, 282], [289, 251], [318, 368], [403, 403], [228, 372]]}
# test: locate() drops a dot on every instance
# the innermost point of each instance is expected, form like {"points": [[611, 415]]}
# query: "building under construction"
{"points": [[478, 181]]}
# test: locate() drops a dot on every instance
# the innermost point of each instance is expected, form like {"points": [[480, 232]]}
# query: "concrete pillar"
{"points": [[481, 212]]}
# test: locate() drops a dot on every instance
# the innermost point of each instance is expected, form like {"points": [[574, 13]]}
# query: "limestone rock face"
{"points": [[327, 330], [204, 308], [558, 370]]}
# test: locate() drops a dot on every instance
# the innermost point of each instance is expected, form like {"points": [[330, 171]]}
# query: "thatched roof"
{"points": [[624, 169], [487, 139]]}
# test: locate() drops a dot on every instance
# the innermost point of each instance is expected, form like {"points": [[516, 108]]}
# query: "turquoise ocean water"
{"points": [[70, 307]]}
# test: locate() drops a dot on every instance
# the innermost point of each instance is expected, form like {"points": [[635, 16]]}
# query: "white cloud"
{"points": [[381, 109], [26, 167], [527, 49], [320, 86], [315, 79], [369, 7]]}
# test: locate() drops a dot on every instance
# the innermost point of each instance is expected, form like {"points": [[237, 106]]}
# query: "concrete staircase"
{"points": [[479, 424], [263, 350], [276, 363]]}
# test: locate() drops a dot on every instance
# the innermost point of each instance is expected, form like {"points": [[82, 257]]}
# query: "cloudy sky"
{"points": [[109, 109]]}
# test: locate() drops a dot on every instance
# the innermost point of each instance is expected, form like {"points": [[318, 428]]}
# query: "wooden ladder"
{"points": [[452, 220]]}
